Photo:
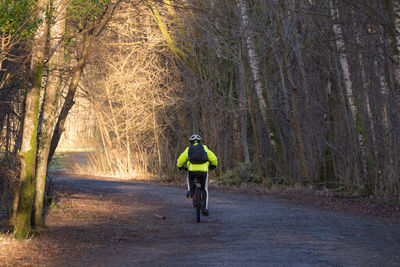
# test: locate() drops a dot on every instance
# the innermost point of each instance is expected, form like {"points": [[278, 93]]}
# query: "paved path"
{"points": [[242, 230]]}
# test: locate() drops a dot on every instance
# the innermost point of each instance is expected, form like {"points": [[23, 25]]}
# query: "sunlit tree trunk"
{"points": [[170, 42], [51, 102], [22, 220]]}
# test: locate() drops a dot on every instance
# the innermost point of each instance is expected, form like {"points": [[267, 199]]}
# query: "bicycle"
{"points": [[198, 198]]}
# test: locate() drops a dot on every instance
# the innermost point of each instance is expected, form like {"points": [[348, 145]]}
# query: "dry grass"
{"points": [[98, 164]]}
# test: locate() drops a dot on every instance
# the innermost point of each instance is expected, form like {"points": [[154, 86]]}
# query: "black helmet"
{"points": [[195, 138]]}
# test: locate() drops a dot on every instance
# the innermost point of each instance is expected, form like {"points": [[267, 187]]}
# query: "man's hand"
{"points": [[183, 168], [212, 167]]}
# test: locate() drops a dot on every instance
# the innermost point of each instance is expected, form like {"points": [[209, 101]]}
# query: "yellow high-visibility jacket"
{"points": [[184, 158]]}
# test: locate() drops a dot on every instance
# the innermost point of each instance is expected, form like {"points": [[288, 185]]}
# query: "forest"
{"points": [[291, 92]]}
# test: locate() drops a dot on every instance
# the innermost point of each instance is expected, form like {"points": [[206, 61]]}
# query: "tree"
{"points": [[30, 127], [351, 97], [255, 70], [90, 17], [51, 100], [294, 114]]}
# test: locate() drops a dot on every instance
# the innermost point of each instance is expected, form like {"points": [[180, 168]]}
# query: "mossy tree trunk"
{"points": [[168, 39], [22, 220]]}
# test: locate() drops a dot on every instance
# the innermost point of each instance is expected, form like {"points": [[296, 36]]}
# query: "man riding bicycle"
{"points": [[198, 160]]}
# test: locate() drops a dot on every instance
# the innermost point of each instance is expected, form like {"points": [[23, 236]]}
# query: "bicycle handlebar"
{"points": [[184, 168]]}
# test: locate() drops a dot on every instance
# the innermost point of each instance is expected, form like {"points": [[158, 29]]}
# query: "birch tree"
{"points": [[351, 98], [274, 139]]}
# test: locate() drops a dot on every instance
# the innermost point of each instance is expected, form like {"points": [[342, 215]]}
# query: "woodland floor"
{"points": [[107, 222]]}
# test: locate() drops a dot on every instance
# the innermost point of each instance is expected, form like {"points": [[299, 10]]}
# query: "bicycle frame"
{"points": [[198, 198]]}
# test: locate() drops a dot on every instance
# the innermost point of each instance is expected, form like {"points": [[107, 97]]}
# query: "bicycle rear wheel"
{"points": [[197, 203], [198, 214]]}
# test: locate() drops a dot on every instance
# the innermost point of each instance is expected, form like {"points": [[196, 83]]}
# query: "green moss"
{"points": [[27, 193], [23, 218], [25, 204], [54, 207], [360, 125]]}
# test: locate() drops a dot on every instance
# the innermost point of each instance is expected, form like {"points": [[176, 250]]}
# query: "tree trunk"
{"points": [[274, 139], [50, 103], [69, 99], [310, 145], [294, 115], [392, 66], [251, 113], [365, 98], [94, 30], [396, 41], [351, 98], [22, 221], [242, 113], [170, 42], [389, 177], [396, 9]]}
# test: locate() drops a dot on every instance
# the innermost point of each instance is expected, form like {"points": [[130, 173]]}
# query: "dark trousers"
{"points": [[203, 177]]}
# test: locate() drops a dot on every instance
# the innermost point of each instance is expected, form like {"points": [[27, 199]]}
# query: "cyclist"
{"points": [[197, 159]]}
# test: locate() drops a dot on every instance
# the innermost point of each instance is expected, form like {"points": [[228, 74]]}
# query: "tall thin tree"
{"points": [[24, 200]]}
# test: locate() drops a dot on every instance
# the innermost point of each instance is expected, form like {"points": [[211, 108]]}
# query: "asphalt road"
{"points": [[242, 230]]}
